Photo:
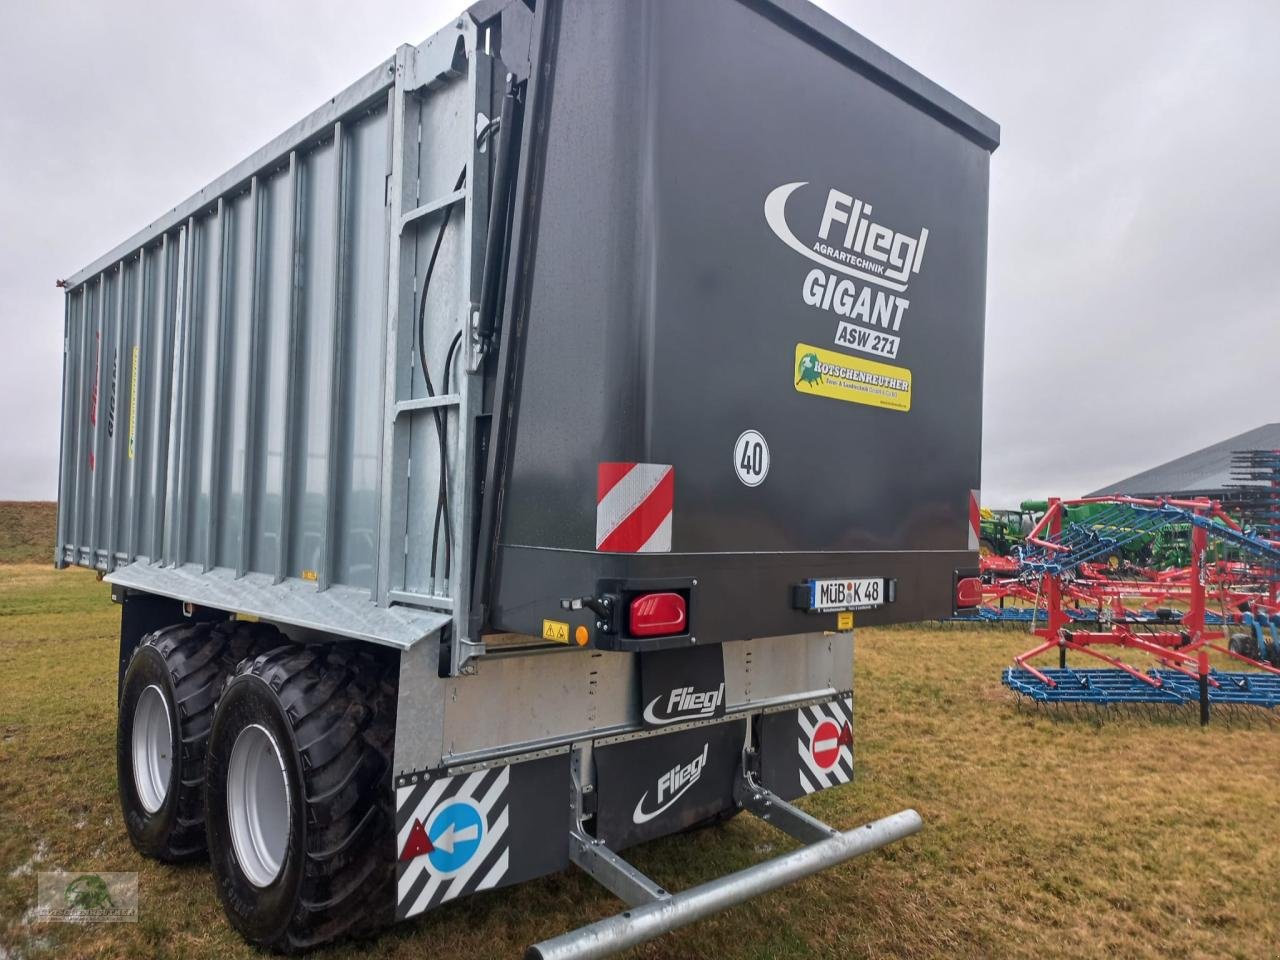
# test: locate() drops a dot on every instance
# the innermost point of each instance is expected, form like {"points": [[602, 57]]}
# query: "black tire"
{"points": [[1244, 644], [329, 713], [188, 664]]}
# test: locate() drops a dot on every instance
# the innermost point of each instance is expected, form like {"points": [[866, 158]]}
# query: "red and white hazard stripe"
{"points": [[975, 520], [634, 503]]}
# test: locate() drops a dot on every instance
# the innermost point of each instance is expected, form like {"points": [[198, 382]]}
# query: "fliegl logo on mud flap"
{"points": [[671, 786], [864, 266], [684, 703], [825, 373]]}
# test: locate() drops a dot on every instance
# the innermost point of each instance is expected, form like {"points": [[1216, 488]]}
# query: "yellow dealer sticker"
{"points": [[826, 373], [557, 631]]}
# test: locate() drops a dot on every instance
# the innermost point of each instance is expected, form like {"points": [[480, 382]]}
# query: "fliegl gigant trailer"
{"points": [[489, 468]]}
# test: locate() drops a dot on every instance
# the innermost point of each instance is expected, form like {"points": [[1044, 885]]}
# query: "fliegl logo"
{"points": [[684, 703], [864, 265], [864, 248], [672, 785]]}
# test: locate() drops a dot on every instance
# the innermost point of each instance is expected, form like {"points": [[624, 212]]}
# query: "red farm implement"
{"points": [[1176, 619]]}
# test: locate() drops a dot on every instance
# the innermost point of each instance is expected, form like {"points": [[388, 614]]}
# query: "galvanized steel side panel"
{"points": [[244, 409], [222, 382]]}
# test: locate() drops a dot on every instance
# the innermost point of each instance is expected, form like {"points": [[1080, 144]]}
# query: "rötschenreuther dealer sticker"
{"points": [[825, 373]]}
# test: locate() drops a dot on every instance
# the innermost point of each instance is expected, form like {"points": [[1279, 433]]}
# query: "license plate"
{"points": [[860, 594]]}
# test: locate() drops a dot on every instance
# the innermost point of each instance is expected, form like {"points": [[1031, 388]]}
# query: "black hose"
{"points": [[437, 413]]}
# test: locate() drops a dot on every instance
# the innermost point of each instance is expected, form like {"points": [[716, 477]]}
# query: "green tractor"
{"points": [[1003, 530], [1168, 546]]}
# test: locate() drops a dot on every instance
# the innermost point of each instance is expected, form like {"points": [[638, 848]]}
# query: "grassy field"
{"points": [[1042, 838]]}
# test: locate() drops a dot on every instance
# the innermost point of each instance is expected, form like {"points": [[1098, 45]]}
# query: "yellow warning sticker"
{"points": [[844, 621], [825, 373], [557, 631], [310, 575]]}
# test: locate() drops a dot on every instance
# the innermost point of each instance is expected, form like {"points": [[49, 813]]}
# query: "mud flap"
{"points": [[655, 786], [490, 828], [807, 749]]}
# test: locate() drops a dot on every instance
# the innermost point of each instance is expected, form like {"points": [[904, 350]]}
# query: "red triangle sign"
{"points": [[417, 844], [846, 737]]}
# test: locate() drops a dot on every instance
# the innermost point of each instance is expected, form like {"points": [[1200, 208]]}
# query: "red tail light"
{"points": [[968, 593], [658, 615]]}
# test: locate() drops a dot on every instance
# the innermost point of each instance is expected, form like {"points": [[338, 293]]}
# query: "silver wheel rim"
{"points": [[258, 805], [152, 748]]}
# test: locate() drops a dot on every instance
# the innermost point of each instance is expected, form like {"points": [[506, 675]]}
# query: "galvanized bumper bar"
{"points": [[660, 912]]}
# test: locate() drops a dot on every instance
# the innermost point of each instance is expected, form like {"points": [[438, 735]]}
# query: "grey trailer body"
{"points": [[541, 410]]}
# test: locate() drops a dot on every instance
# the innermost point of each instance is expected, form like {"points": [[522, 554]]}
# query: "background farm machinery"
{"points": [[1004, 531], [1064, 581]]}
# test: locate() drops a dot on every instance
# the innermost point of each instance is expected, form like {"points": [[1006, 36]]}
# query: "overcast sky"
{"points": [[1134, 271]]}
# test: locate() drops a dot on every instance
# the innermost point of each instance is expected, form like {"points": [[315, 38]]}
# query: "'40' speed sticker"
{"points": [[751, 458]]}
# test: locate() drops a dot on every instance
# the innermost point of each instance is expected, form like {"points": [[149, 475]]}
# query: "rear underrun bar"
{"points": [[656, 911]]}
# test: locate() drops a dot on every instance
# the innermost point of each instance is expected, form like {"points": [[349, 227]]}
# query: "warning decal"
{"points": [[839, 376], [634, 504], [975, 520], [825, 745]]}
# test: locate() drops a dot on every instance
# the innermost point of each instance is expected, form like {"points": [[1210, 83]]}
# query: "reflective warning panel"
{"points": [[809, 749], [475, 831]]}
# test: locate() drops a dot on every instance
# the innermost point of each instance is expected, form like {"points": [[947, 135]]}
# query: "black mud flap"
{"points": [[456, 835], [808, 749], [677, 686], [658, 785]]}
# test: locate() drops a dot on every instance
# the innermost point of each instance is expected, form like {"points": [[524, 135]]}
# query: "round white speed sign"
{"points": [[751, 458]]}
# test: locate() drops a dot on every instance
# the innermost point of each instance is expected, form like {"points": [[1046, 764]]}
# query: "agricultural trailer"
{"points": [[491, 467]]}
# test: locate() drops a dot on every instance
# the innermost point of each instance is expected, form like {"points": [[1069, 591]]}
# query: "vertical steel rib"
{"points": [[336, 384], [221, 278], [159, 465], [257, 256], [137, 390], [181, 323], [291, 367], [65, 455], [95, 420], [82, 415], [162, 412], [187, 452], [475, 215], [386, 454], [115, 514]]}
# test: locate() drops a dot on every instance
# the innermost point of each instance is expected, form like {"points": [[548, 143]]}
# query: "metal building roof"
{"points": [[1204, 470]]}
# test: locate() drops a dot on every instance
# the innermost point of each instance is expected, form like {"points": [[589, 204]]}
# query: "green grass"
{"points": [[27, 531], [1042, 838]]}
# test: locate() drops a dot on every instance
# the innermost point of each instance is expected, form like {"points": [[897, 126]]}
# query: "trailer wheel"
{"points": [[299, 798], [166, 708]]}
